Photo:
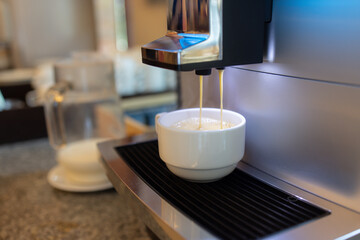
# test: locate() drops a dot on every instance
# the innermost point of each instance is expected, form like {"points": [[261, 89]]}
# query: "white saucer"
{"points": [[56, 178]]}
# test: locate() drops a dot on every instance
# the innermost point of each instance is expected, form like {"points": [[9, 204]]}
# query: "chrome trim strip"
{"points": [[350, 235]]}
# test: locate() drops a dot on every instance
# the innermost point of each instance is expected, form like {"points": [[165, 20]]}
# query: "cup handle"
{"points": [[53, 106], [157, 120]]}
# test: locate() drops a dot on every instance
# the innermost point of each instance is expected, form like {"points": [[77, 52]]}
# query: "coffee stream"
{"points": [[221, 75], [201, 98], [205, 123]]}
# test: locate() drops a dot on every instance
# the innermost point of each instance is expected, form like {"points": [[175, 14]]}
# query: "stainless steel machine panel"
{"points": [[304, 132], [314, 39], [302, 106]]}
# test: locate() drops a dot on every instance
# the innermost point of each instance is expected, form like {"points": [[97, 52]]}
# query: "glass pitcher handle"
{"points": [[54, 114]]}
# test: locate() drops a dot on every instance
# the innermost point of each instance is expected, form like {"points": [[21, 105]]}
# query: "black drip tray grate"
{"points": [[238, 206]]}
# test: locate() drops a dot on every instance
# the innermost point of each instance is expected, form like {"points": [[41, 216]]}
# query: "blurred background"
{"points": [[36, 34], [35, 37]]}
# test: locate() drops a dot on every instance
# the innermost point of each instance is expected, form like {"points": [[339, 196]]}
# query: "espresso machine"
{"points": [[292, 71]]}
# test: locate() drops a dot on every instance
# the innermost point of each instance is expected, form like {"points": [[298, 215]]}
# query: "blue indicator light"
{"points": [[189, 39]]}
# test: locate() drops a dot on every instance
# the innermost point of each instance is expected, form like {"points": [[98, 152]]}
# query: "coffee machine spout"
{"points": [[205, 34]]}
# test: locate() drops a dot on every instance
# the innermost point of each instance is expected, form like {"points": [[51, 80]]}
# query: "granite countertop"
{"points": [[31, 209]]}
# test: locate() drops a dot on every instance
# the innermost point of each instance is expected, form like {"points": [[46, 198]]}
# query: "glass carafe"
{"points": [[82, 109]]}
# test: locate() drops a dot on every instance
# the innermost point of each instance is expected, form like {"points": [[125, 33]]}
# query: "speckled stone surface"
{"points": [[28, 156], [31, 209]]}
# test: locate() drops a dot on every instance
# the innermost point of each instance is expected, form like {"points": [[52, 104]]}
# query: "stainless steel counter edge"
{"points": [[176, 225]]}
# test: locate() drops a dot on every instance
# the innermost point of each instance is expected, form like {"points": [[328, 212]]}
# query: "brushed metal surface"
{"points": [[314, 39], [304, 132], [302, 106], [175, 225]]}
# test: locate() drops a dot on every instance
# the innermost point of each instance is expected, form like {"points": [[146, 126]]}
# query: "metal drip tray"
{"points": [[247, 204], [238, 206]]}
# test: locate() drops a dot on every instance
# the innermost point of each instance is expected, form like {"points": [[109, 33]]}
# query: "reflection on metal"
{"points": [[271, 45], [194, 34], [314, 40], [180, 223], [188, 16], [353, 235]]}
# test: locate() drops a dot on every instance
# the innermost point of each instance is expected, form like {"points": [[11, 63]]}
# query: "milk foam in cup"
{"points": [[201, 155], [193, 123]]}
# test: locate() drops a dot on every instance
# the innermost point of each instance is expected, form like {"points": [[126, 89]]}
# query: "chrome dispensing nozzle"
{"points": [[205, 34]]}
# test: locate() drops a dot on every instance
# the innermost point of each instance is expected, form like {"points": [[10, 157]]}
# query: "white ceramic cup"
{"points": [[200, 156], [81, 163]]}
